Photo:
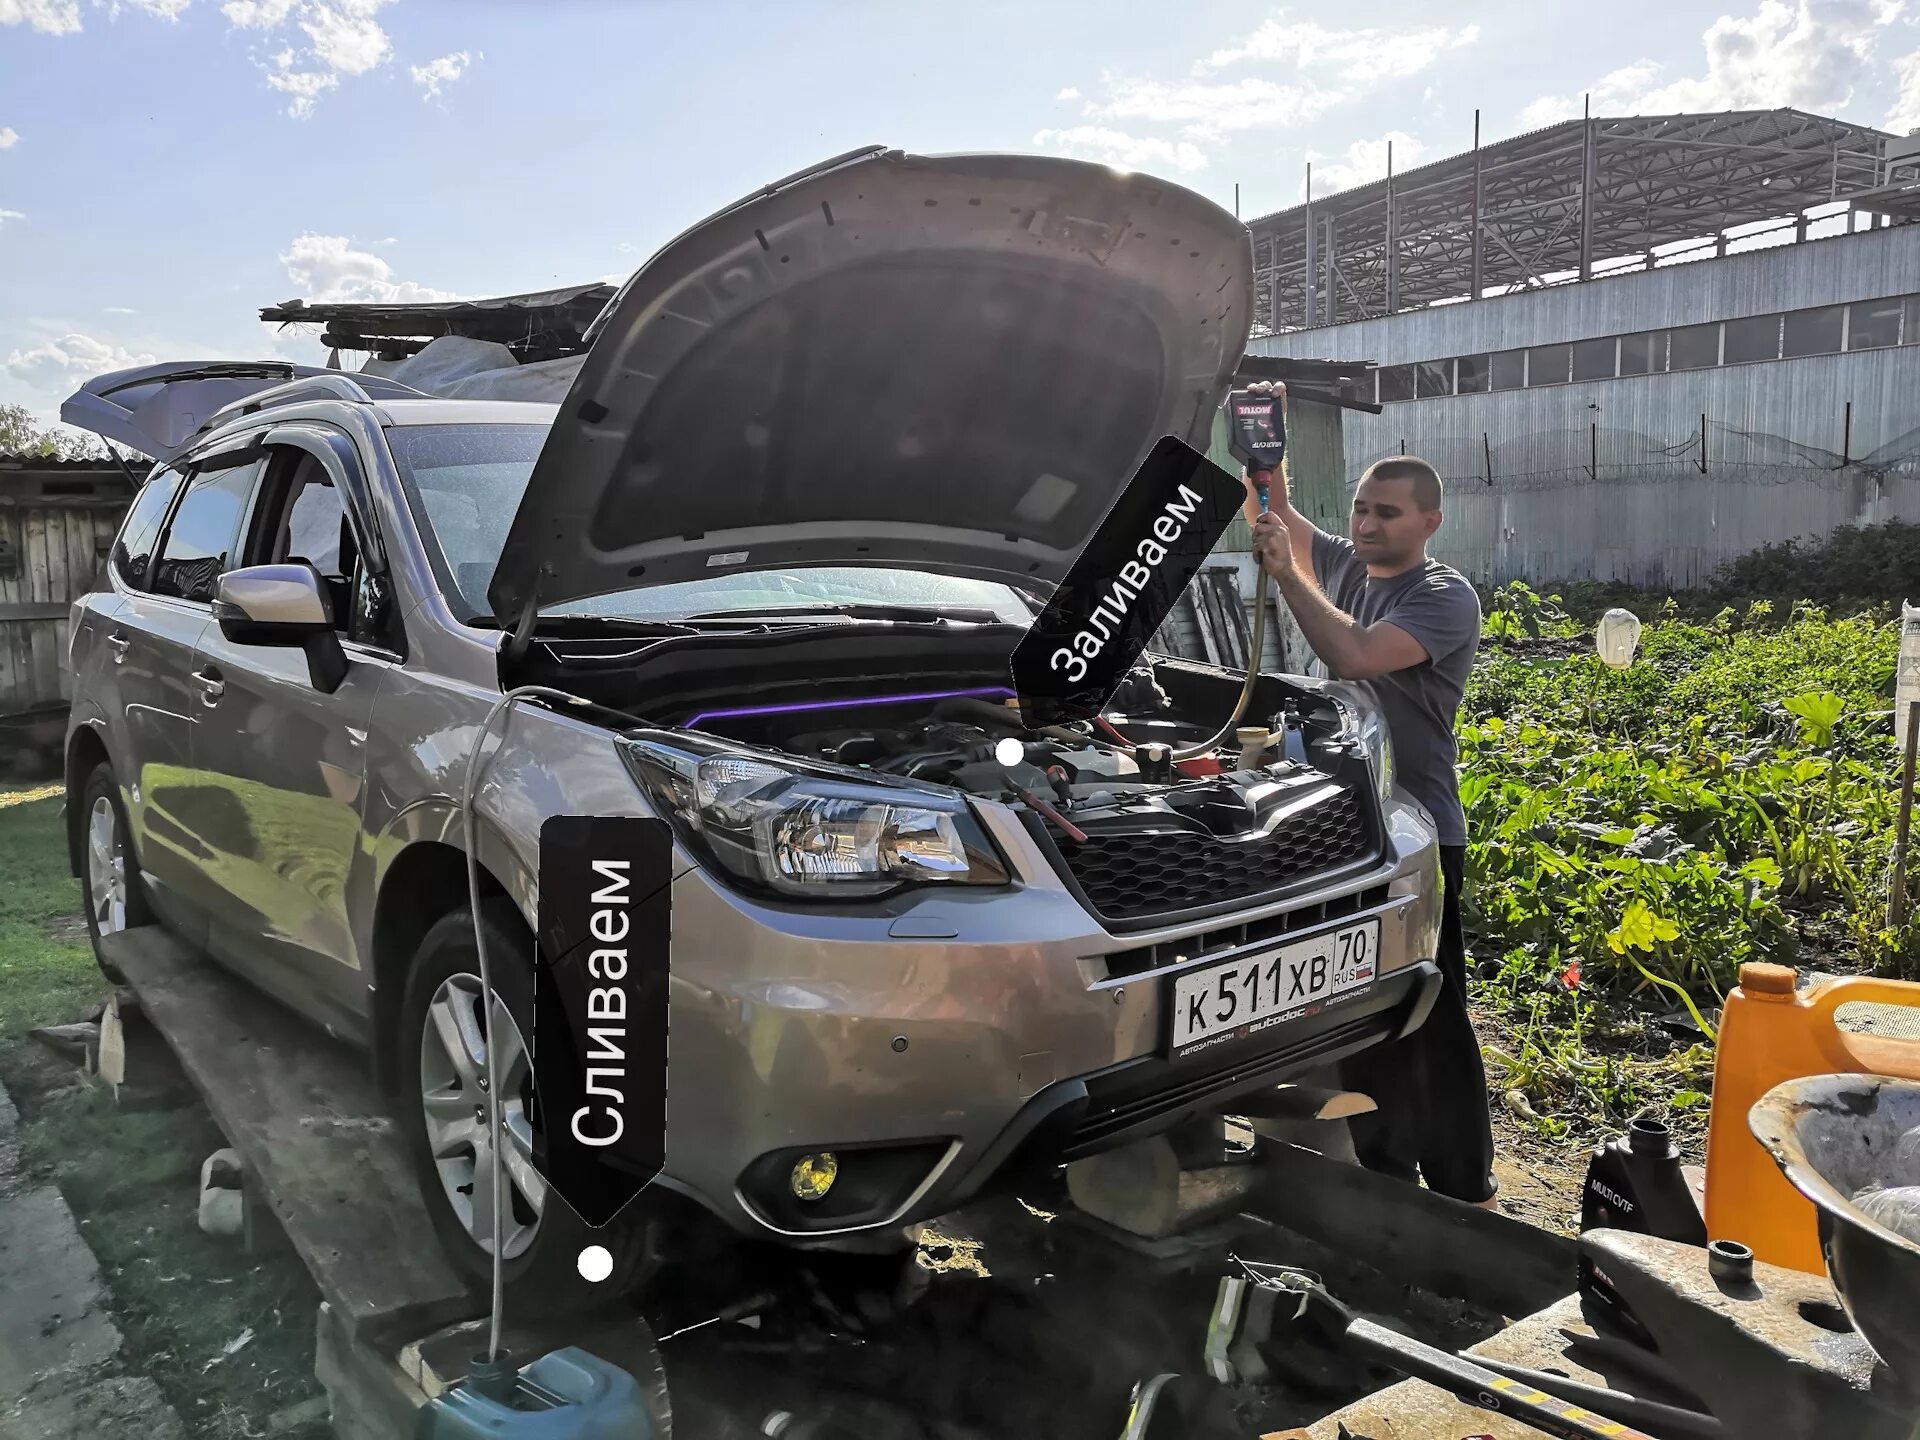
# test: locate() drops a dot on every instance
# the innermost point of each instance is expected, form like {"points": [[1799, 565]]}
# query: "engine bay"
{"points": [[937, 709], [1117, 765]]}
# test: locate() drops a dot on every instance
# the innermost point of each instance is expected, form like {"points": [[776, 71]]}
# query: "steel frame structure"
{"points": [[1553, 203]]}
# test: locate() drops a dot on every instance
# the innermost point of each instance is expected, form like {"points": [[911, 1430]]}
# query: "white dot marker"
{"points": [[1009, 751], [596, 1263]]}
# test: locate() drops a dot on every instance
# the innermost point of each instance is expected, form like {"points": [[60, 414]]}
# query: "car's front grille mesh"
{"points": [[1224, 938], [1132, 874]]}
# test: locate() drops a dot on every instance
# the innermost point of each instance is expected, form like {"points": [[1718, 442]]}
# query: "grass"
{"points": [[131, 1175], [1636, 835]]}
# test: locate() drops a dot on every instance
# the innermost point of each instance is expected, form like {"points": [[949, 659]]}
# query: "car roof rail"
{"points": [[354, 389]]}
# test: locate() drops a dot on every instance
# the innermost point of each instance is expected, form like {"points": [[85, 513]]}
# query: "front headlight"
{"points": [[805, 831], [1367, 724]]}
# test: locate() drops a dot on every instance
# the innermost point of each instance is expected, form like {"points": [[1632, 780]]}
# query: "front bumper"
{"points": [[936, 1040]]}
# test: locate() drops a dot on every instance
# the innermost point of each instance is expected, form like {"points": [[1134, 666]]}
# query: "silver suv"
{"points": [[827, 451]]}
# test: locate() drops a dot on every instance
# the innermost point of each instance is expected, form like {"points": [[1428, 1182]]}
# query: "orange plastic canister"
{"points": [[1769, 1032]]}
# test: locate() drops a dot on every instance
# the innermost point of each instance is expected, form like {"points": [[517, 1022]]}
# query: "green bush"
{"points": [[1657, 827]]}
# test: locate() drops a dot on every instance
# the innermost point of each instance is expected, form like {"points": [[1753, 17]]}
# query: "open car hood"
{"points": [[158, 409], [948, 363]]}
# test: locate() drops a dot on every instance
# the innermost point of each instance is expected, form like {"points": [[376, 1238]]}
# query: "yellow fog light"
{"points": [[813, 1175]]}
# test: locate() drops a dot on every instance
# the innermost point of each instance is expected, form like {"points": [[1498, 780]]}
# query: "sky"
{"points": [[169, 166]]}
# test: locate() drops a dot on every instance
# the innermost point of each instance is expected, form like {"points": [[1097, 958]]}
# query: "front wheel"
{"points": [[443, 1069], [115, 894]]}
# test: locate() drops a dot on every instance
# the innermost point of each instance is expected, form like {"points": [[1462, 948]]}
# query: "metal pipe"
{"points": [[1897, 894]]}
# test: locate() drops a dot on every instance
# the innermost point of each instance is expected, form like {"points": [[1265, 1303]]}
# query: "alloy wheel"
{"points": [[453, 1099], [106, 868]]}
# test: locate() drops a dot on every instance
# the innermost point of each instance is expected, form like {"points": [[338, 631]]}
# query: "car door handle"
{"points": [[212, 687], [119, 643]]}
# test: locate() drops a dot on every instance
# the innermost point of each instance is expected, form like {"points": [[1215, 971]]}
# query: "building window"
{"points": [[1593, 359], [1813, 332], [1474, 374], [1549, 364], [1396, 383], [1755, 338], [1911, 335], [1643, 354], [1507, 369], [1432, 378], [1693, 347], [1872, 324]]}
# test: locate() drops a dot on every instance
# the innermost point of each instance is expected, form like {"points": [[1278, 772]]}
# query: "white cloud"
{"points": [[69, 360], [1809, 54], [49, 17], [343, 38], [119, 310], [6, 215], [1364, 161], [328, 268], [437, 73], [305, 86], [9, 137], [160, 9], [1115, 147], [1290, 74], [256, 14], [1905, 115], [345, 35], [1611, 93], [1208, 110], [1384, 54], [627, 247]]}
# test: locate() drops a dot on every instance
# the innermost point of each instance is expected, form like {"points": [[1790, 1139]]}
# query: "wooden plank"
{"points": [[45, 685], [304, 1113], [83, 563], [22, 611], [1416, 1236]]}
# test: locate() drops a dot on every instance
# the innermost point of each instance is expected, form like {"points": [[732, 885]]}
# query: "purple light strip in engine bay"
{"points": [[797, 706]]}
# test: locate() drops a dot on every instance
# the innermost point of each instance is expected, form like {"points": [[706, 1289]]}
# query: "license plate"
{"points": [[1243, 997]]}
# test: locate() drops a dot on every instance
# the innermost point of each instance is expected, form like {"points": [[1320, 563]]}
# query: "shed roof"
{"points": [[540, 325]]}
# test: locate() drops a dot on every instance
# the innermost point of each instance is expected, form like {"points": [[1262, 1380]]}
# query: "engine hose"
{"points": [[1215, 740], [470, 834]]}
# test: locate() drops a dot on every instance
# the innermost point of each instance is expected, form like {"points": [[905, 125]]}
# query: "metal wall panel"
{"points": [[1602, 479]]}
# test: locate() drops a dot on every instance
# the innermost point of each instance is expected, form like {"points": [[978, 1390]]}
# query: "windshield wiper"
{"points": [[921, 614]]}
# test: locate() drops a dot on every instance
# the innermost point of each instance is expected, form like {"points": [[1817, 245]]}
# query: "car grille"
{"points": [[1226, 938], [1131, 874]]}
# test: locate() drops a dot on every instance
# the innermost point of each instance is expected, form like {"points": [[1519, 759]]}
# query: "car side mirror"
{"points": [[283, 605]]}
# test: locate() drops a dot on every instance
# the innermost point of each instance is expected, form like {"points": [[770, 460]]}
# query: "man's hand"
{"points": [[1273, 547]]}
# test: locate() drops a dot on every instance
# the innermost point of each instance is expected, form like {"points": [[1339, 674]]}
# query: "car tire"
{"points": [[110, 880], [544, 1276]]}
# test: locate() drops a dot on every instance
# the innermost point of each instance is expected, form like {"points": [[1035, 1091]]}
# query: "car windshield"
{"points": [[465, 483]]}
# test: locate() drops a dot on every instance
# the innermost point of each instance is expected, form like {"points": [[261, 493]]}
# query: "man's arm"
{"points": [[1300, 530], [1352, 651]]}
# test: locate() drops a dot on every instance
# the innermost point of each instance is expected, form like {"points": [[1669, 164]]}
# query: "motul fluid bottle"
{"points": [[1635, 1183]]}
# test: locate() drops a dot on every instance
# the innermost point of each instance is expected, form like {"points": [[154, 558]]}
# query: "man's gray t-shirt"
{"points": [[1436, 605]]}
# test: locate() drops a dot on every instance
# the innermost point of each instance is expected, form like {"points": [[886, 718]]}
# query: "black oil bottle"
{"points": [[1635, 1183]]}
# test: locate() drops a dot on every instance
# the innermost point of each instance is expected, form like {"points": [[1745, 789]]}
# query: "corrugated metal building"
{"points": [[1654, 421]]}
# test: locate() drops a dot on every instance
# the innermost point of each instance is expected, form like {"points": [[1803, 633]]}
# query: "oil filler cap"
{"points": [[1759, 978]]}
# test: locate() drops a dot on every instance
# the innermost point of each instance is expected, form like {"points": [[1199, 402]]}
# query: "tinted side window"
{"points": [[134, 547], [202, 540]]}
